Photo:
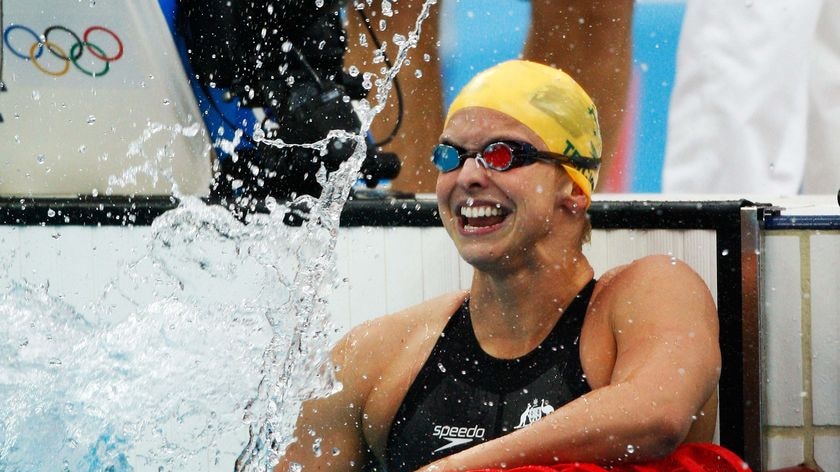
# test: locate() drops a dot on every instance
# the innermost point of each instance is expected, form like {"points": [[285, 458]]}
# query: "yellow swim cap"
{"points": [[547, 101]]}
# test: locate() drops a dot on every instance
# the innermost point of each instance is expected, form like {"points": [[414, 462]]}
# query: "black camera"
{"points": [[285, 58]]}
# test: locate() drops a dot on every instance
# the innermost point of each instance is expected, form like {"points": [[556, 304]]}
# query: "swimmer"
{"points": [[538, 362]]}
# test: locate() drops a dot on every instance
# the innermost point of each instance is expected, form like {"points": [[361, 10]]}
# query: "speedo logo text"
{"points": [[457, 435]]}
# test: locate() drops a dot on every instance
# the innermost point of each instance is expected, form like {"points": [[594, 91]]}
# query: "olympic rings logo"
{"points": [[68, 56]]}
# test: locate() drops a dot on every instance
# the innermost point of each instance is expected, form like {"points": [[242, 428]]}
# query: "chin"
{"points": [[482, 260], [474, 256]]}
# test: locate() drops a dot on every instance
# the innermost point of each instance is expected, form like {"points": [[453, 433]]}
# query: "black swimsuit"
{"points": [[463, 396]]}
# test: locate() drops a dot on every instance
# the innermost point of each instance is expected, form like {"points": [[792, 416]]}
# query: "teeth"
{"points": [[480, 211]]}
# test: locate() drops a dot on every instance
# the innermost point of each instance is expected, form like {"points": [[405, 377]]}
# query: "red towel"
{"points": [[694, 457]]}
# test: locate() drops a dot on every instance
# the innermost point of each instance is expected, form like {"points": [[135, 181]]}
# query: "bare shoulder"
{"points": [[380, 358], [653, 323], [372, 346], [648, 297], [655, 278]]}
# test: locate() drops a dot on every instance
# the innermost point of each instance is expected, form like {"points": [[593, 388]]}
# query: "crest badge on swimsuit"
{"points": [[533, 413]]}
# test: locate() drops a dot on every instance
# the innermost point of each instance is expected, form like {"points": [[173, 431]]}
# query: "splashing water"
{"points": [[156, 165], [288, 375], [162, 370]]}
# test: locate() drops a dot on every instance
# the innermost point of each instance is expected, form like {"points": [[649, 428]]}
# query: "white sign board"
{"points": [[97, 102]]}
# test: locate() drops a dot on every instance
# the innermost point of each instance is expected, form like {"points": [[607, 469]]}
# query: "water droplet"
{"points": [[94, 192], [386, 8], [50, 212], [725, 252], [91, 119], [367, 83], [418, 73], [166, 101], [40, 158], [441, 367], [191, 130], [336, 451], [36, 95], [316, 447], [631, 449]]}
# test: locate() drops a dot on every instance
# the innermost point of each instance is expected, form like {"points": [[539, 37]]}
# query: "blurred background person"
{"points": [[756, 103]]}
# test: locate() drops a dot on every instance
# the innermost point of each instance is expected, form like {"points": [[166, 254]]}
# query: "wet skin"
{"points": [[524, 215]]}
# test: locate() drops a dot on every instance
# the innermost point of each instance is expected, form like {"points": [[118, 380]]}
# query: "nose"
{"points": [[472, 174]]}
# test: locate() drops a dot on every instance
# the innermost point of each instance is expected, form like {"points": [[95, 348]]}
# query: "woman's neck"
{"points": [[513, 312]]}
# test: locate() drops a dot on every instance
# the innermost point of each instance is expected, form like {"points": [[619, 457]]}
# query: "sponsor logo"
{"points": [[535, 410], [457, 435]]}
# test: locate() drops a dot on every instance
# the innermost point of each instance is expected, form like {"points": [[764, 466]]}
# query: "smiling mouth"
{"points": [[475, 218]]}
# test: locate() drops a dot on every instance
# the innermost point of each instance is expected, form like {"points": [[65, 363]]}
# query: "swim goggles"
{"points": [[504, 155]]}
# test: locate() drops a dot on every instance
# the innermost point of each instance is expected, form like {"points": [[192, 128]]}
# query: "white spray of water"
{"points": [[289, 377], [156, 164], [119, 385]]}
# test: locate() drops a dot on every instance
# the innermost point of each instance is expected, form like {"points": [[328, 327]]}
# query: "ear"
{"points": [[574, 200]]}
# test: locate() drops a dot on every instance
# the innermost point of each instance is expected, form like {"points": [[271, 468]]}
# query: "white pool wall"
{"points": [[382, 270]]}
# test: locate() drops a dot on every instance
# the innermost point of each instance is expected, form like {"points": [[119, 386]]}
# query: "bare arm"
{"points": [[422, 117], [667, 364], [376, 363], [329, 430]]}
